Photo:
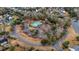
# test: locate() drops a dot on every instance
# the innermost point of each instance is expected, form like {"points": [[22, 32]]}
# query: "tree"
{"points": [[77, 37], [52, 39], [37, 50], [67, 24], [31, 48], [17, 21], [2, 33], [63, 33], [2, 11], [44, 42], [18, 14], [65, 44], [10, 37], [12, 48], [52, 49], [71, 12], [34, 32]]}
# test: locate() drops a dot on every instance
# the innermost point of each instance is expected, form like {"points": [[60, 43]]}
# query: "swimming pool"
{"points": [[36, 23]]}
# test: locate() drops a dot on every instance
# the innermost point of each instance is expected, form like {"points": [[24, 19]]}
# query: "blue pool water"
{"points": [[36, 23]]}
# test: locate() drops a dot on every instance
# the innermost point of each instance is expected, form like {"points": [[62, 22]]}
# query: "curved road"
{"points": [[75, 25], [22, 39], [25, 40], [57, 46]]}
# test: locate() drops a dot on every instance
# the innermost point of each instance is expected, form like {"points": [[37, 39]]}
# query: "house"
{"points": [[4, 41], [76, 48], [37, 25]]}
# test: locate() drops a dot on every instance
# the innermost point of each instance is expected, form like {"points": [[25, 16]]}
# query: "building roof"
{"points": [[3, 40], [76, 48]]}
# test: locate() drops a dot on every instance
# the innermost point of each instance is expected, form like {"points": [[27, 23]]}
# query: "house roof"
{"points": [[3, 40], [76, 48]]}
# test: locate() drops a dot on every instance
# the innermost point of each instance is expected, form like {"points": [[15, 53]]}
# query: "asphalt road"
{"points": [[75, 25], [58, 44], [25, 40]]}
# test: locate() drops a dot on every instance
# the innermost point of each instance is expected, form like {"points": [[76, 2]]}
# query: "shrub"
{"points": [[44, 42], [77, 38], [65, 44], [2, 33], [31, 48], [12, 48]]}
